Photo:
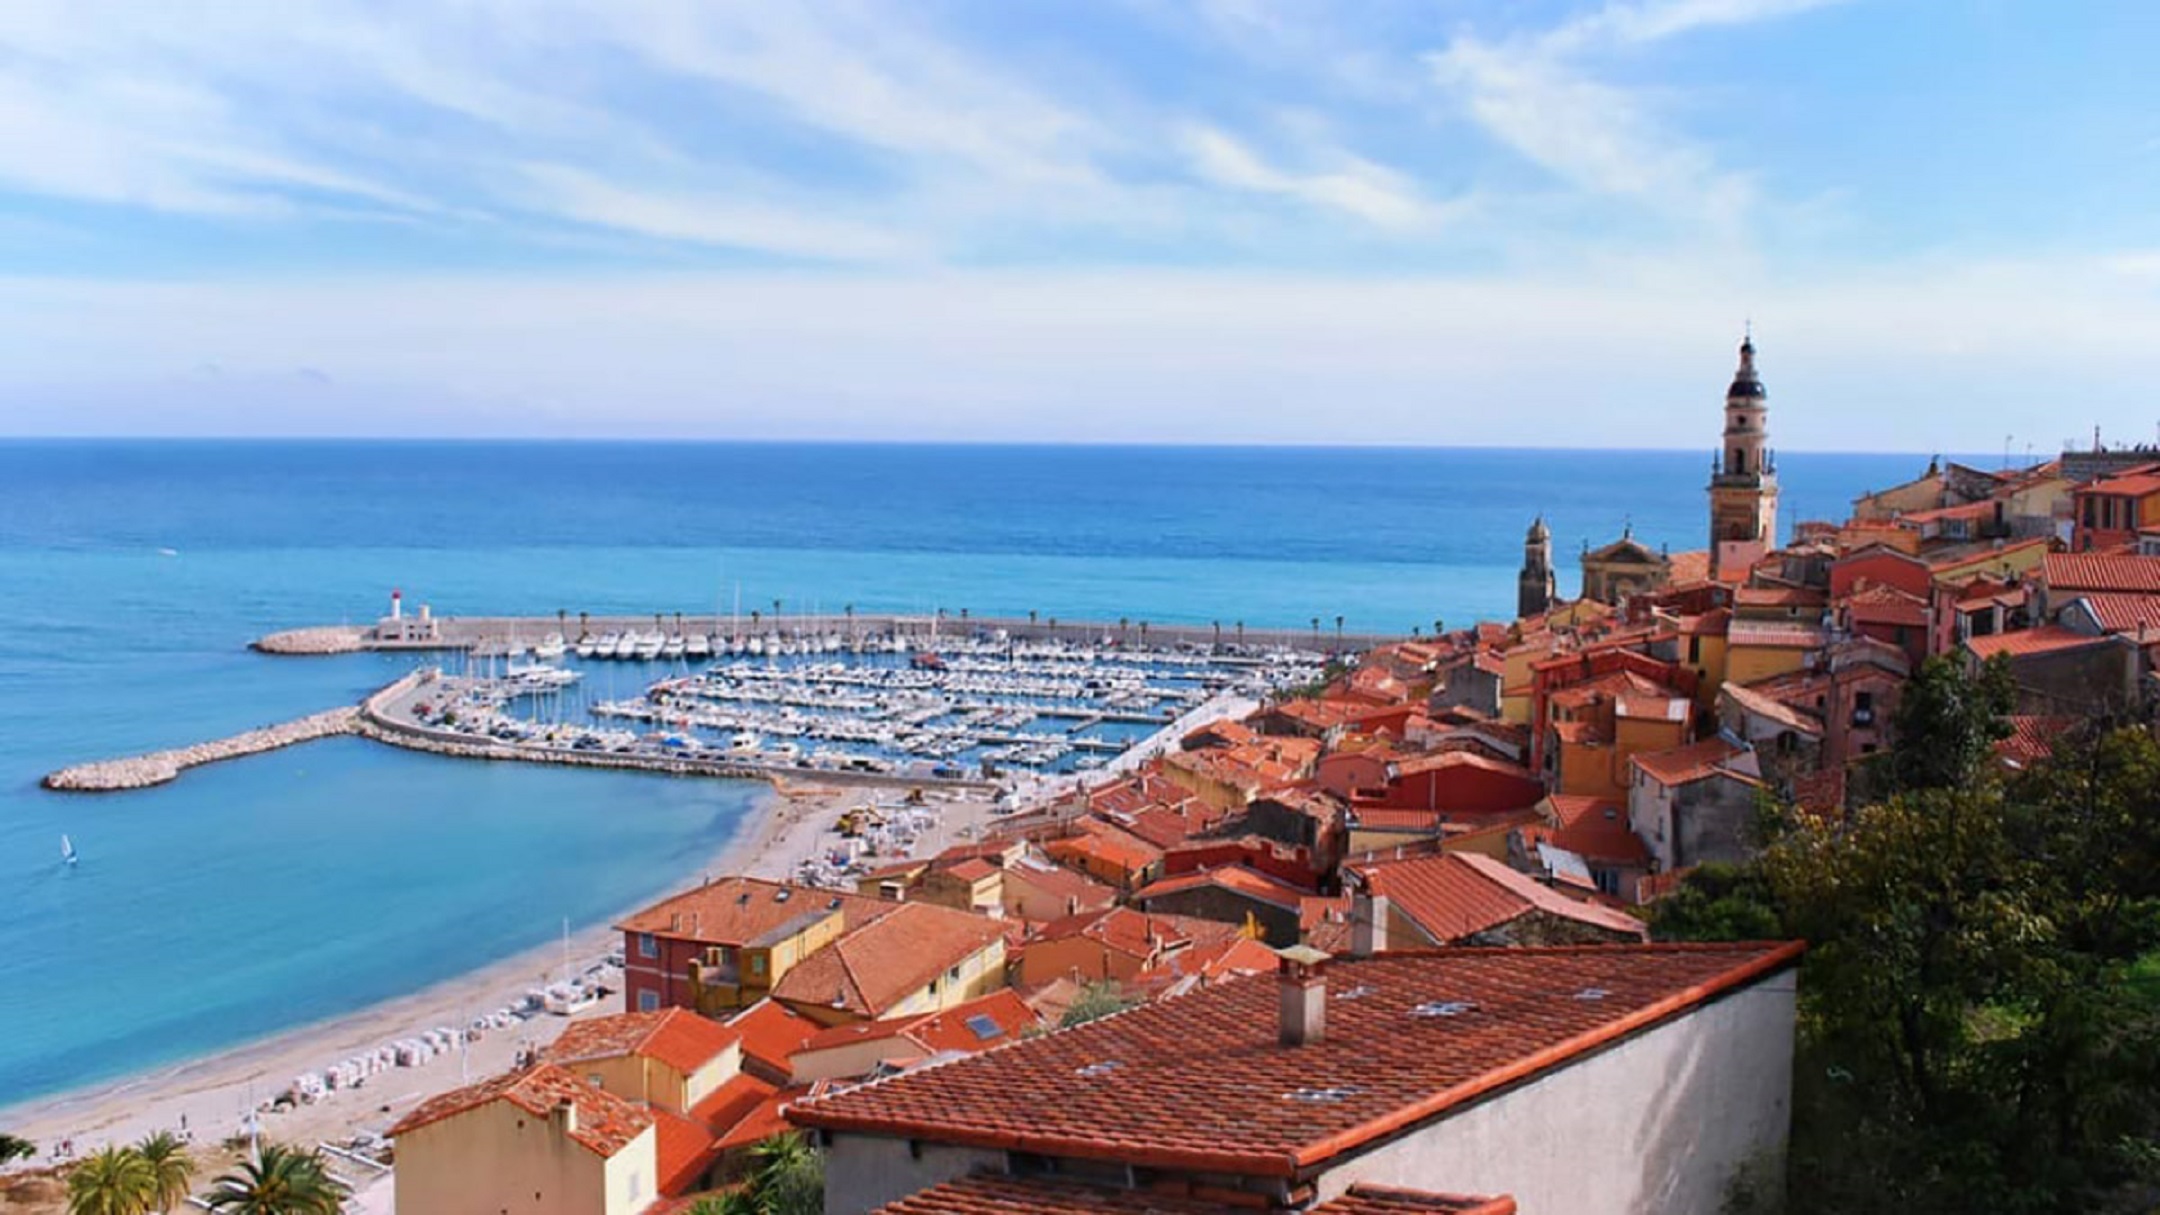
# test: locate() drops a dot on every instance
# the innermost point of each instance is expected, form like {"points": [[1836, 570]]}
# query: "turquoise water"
{"points": [[262, 894]]}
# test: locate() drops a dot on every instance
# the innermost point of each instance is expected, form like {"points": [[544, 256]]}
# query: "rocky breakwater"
{"points": [[327, 639], [158, 767]]}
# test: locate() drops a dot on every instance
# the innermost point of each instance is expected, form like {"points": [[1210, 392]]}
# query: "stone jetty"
{"points": [[158, 767], [323, 639]]}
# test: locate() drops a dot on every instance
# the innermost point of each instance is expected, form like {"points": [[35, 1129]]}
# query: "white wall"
{"points": [[1658, 1125]]}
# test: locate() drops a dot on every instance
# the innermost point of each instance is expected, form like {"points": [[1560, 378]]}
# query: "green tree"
{"points": [[112, 1181], [15, 1147], [787, 1176], [172, 1169], [1719, 902], [1095, 1001], [1948, 723], [280, 1181]]}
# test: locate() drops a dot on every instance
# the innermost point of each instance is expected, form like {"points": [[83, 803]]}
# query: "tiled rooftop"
{"points": [[739, 911], [988, 1194], [1680, 765], [1202, 1083], [771, 1032], [605, 1123], [677, 1037], [1456, 895], [1238, 879], [870, 970], [2046, 639], [2091, 572]]}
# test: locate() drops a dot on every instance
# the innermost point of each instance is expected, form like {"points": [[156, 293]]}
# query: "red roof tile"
{"points": [[771, 1032], [1201, 1082], [739, 911], [1453, 896], [2047, 639], [945, 1030], [2032, 739], [1237, 879], [1775, 634], [868, 971], [1596, 830], [992, 1194], [2118, 612], [605, 1122], [2092, 572], [677, 1037], [682, 1151], [1693, 762]]}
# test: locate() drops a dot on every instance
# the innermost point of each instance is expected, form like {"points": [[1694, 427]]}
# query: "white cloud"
{"points": [[710, 219], [1353, 186]]}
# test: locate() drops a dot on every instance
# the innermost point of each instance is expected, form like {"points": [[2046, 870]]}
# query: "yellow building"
{"points": [[726, 944], [1758, 649], [576, 1149], [920, 958], [672, 1059]]}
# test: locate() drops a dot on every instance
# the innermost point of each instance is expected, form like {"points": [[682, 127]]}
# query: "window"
{"points": [[1694, 650], [647, 947], [648, 1001], [953, 974], [757, 963], [636, 1186]]}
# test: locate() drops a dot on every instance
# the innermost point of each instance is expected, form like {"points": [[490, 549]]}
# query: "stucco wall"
{"points": [[1658, 1125], [500, 1157], [864, 1172]]}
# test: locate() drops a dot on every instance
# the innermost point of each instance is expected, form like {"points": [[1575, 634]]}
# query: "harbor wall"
{"points": [[158, 767], [492, 632]]}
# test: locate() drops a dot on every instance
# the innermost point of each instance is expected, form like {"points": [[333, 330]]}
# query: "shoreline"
{"points": [[212, 1091]]}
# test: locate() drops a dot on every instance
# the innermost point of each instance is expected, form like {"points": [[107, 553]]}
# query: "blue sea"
{"points": [[263, 894]]}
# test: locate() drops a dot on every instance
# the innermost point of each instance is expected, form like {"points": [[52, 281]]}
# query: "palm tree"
{"points": [[113, 1181], [584, 625], [280, 1181], [15, 1147], [787, 1177], [171, 1169]]}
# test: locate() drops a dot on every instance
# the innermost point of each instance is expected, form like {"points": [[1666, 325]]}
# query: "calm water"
{"points": [[255, 896]]}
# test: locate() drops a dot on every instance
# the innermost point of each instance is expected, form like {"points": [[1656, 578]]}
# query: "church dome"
{"points": [[1746, 385], [1538, 530]]}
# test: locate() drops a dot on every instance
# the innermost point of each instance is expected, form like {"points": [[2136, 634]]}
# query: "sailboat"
{"points": [[67, 850]]}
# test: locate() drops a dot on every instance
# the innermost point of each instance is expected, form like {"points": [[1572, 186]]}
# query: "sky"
{"points": [[1452, 222]]}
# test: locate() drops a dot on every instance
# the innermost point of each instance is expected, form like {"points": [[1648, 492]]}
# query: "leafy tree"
{"points": [[15, 1147], [1719, 902], [787, 1177], [1948, 723], [112, 1181], [171, 1169], [280, 1181], [1095, 1001]]}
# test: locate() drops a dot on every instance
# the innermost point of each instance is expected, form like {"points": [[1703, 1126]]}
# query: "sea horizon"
{"points": [[250, 897]]}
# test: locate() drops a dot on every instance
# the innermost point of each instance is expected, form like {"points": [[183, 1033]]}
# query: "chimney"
{"points": [[1368, 924], [563, 1117], [1302, 989]]}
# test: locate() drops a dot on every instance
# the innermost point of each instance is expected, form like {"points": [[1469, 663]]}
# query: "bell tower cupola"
{"points": [[1535, 585], [1743, 481]]}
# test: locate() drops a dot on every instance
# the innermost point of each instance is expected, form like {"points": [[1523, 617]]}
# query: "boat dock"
{"points": [[158, 767]]}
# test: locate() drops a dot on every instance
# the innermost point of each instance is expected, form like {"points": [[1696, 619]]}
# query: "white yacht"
{"points": [[673, 646], [698, 647], [587, 647], [550, 648]]}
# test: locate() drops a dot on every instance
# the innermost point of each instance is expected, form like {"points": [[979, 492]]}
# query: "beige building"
{"points": [[575, 1148]]}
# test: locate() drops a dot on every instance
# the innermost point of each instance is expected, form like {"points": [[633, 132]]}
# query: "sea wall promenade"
{"points": [[156, 768], [494, 633]]}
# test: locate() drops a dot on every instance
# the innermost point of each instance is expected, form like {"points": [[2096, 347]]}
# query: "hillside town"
{"points": [[1383, 947]]}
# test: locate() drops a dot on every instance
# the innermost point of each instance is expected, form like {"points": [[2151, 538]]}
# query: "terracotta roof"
{"points": [[1003, 1016], [1201, 1083], [973, 869], [761, 1119], [677, 1037], [739, 911], [1766, 706], [873, 968], [1778, 596], [2046, 639], [2136, 483], [1778, 634], [2118, 612], [2032, 738], [1596, 830], [1459, 759], [1122, 849], [1881, 603], [1136, 934], [1453, 896], [1234, 957], [2092, 572], [991, 1194], [605, 1122], [1237, 879], [1060, 882], [1681, 765], [771, 1032], [682, 1151], [1690, 566], [1713, 623]]}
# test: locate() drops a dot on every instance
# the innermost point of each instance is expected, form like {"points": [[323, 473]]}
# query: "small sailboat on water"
{"points": [[67, 850]]}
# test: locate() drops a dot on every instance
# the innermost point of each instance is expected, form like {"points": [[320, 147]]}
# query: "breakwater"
{"points": [[484, 634], [142, 771]]}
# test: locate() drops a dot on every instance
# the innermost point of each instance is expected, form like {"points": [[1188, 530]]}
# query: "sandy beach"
{"points": [[209, 1097]]}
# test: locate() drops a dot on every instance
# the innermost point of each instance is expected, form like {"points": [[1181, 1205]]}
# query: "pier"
{"points": [[511, 634], [158, 767]]}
